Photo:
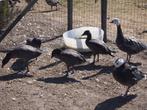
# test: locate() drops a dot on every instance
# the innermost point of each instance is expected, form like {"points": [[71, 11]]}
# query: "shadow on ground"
{"points": [[100, 68], [50, 65], [58, 80], [114, 103], [12, 76]]}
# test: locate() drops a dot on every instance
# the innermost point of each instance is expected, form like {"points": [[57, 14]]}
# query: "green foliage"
{"points": [[4, 9], [4, 12]]}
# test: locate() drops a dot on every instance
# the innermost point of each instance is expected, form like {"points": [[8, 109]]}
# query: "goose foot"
{"points": [[25, 74]]}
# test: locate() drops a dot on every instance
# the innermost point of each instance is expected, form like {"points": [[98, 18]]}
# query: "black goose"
{"points": [[126, 74], [53, 3], [24, 52], [34, 42], [97, 47], [127, 45], [69, 57]]}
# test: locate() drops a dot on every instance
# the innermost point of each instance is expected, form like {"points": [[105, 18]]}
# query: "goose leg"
{"points": [[51, 7], [72, 70], [56, 7], [128, 57], [94, 55], [67, 72], [98, 57], [126, 93], [28, 71]]}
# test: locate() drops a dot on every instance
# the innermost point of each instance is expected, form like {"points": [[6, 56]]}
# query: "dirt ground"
{"points": [[90, 88]]}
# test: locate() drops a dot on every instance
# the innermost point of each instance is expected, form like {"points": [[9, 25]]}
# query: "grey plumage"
{"points": [[25, 52], [34, 42], [69, 57], [126, 74], [53, 3], [127, 45], [96, 46]]}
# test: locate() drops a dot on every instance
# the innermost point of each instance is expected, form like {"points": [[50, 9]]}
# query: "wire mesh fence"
{"points": [[44, 21], [86, 13], [41, 20], [133, 16]]}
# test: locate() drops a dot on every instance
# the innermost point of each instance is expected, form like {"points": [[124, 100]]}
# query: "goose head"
{"points": [[87, 33], [56, 53], [119, 62], [116, 21], [35, 42]]}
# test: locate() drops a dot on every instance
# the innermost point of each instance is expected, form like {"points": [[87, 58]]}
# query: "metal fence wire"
{"points": [[86, 13], [132, 13], [133, 16]]}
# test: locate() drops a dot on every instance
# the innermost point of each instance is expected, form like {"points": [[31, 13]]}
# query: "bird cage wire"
{"points": [[86, 13], [39, 21], [133, 16]]}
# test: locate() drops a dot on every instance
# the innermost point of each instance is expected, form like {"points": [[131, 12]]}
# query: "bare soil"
{"points": [[89, 88]]}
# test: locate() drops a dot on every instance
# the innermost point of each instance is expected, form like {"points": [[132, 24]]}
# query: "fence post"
{"points": [[104, 18], [70, 14], [30, 5]]}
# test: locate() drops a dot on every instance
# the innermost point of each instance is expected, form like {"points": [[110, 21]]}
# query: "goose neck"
{"points": [[88, 37], [119, 32]]}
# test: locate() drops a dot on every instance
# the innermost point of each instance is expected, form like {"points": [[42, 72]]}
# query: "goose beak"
{"points": [[111, 22], [82, 37]]}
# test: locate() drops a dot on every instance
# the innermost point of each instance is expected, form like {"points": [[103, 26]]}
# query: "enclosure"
{"points": [[91, 87]]}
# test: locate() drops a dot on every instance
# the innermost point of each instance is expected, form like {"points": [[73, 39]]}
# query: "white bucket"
{"points": [[72, 38]]}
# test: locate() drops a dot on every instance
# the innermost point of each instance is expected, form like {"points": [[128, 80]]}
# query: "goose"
{"points": [[69, 57], [130, 46], [126, 74], [53, 3], [34, 42], [25, 52], [96, 46], [13, 2]]}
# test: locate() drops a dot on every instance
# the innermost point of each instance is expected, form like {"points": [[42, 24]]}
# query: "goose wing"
{"points": [[98, 46], [137, 75], [134, 46], [133, 73], [69, 53]]}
